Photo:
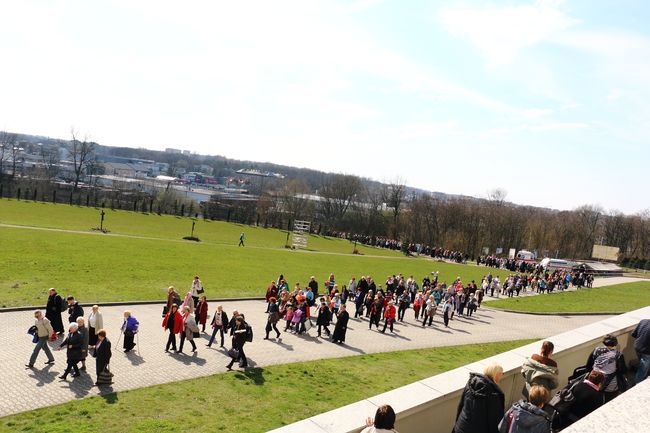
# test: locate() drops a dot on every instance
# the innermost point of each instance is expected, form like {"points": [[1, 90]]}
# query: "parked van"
{"points": [[553, 264]]}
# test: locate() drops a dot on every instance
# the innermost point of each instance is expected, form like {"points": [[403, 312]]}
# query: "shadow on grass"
{"points": [[107, 393], [255, 375]]}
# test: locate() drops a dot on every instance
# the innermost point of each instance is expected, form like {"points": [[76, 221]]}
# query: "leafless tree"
{"points": [[338, 194], [82, 152], [394, 194]]}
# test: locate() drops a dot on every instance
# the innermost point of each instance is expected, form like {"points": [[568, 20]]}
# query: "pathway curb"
{"points": [[125, 303], [555, 313]]}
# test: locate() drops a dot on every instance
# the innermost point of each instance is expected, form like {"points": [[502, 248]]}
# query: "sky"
{"points": [[547, 99]]}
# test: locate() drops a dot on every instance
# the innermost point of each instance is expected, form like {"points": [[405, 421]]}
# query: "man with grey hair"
{"points": [[43, 332], [73, 343]]}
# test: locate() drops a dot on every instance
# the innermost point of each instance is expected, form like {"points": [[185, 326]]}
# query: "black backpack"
{"points": [[249, 333]]}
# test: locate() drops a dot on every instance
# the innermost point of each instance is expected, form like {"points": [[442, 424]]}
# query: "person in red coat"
{"points": [[389, 316], [173, 322], [201, 313]]}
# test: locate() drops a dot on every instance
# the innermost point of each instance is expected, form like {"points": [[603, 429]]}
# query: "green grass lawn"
{"points": [[83, 218], [97, 268], [257, 400], [618, 298]]}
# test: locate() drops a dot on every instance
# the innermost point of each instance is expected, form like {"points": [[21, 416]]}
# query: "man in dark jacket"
{"points": [[73, 343], [341, 326], [102, 353], [53, 311], [74, 309], [482, 404]]}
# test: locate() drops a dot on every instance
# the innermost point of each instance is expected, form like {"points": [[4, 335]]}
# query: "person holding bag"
{"points": [[238, 341], [190, 329], [102, 356], [173, 322], [43, 331]]}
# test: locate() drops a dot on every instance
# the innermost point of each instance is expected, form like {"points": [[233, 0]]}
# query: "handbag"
{"points": [[196, 334], [200, 290], [233, 353], [105, 376], [165, 311]]}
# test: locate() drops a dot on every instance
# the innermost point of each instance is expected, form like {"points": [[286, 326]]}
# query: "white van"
{"points": [[553, 264]]}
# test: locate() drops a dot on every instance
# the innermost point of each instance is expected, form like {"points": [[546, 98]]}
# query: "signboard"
{"points": [[499, 250], [603, 252], [511, 253]]}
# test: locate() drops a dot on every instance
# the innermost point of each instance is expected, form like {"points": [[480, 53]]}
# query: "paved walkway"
{"points": [[40, 387]]}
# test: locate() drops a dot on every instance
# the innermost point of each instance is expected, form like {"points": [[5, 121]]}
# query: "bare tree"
{"points": [[338, 194], [82, 151], [9, 151], [50, 160], [394, 194]]}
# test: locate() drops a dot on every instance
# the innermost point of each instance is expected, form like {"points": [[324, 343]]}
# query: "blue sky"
{"points": [[548, 100]]}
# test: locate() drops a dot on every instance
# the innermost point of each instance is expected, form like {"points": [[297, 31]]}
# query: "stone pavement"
{"points": [[25, 389]]}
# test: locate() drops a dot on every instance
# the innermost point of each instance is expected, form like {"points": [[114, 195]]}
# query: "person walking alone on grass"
{"points": [[241, 240], [73, 343], [219, 324], [55, 306], [43, 332], [173, 322], [196, 290]]}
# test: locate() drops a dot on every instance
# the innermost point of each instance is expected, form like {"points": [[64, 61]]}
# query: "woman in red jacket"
{"points": [[389, 316], [201, 313], [173, 322]]}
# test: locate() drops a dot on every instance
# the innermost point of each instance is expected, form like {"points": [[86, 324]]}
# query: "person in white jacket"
{"points": [[95, 323]]}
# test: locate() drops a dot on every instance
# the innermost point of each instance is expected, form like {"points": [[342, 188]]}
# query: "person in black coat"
{"points": [[219, 324], [74, 309], [341, 326], [238, 341], [323, 319], [73, 342], [102, 352], [588, 397], [53, 311], [482, 404]]}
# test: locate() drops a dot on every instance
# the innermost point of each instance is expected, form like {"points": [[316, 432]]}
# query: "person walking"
{"points": [[389, 316], [241, 239], [219, 324], [341, 326], [404, 304], [73, 343], [323, 318], [375, 313], [83, 331], [238, 342], [540, 369], [173, 322], [196, 290], [95, 323], [273, 317], [74, 309], [201, 316], [43, 332], [129, 328], [447, 310], [190, 328], [482, 403], [55, 306], [102, 355], [641, 336]]}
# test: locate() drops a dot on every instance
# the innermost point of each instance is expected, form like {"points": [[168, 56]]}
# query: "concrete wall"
{"points": [[430, 405]]}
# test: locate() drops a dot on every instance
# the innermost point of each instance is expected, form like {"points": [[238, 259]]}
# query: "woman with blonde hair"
{"points": [[482, 403]]}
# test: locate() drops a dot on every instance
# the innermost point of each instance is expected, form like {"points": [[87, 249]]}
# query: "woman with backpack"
{"points": [[540, 369], [609, 361], [528, 416]]}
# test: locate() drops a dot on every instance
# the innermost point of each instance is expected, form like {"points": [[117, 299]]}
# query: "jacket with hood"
{"points": [[525, 417], [537, 373], [481, 406]]}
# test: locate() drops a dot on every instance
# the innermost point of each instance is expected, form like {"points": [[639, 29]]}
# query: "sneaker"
{"points": [[49, 362]]}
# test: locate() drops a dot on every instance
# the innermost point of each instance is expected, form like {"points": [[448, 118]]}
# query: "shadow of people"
{"points": [[108, 394], [351, 349], [188, 359], [43, 376], [285, 346], [134, 358], [255, 375], [80, 385]]}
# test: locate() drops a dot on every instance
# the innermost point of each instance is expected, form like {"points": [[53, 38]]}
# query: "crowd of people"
{"points": [[482, 409]]}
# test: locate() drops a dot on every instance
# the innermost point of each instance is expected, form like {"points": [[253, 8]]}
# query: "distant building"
{"points": [[187, 152], [175, 151]]}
